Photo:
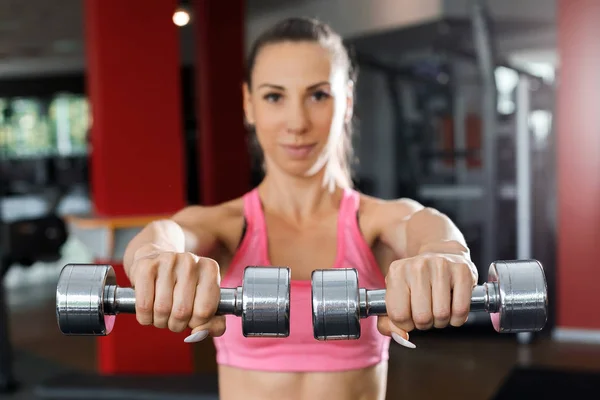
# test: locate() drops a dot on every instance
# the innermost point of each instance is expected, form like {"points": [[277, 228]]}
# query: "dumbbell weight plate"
{"points": [[338, 317], [523, 296], [266, 306], [82, 311]]}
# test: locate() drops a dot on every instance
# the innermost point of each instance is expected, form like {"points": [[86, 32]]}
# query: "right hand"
{"points": [[176, 291]]}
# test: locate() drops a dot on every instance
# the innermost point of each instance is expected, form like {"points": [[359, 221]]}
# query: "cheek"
{"points": [[321, 116], [268, 123]]}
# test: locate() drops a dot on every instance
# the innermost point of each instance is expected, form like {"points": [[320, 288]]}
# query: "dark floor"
{"points": [[456, 365]]}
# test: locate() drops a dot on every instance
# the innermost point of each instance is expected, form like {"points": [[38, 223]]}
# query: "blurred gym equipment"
{"points": [[473, 134], [24, 242]]}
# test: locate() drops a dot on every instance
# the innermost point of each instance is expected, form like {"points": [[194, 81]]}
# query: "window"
{"points": [[34, 127]]}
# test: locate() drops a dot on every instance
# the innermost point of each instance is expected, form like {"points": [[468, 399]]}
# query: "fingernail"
{"points": [[196, 337], [400, 340]]}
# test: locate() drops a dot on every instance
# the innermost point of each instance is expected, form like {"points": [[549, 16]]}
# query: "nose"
{"points": [[297, 118]]}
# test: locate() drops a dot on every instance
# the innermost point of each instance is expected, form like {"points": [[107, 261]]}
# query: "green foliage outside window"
{"points": [[33, 127]]}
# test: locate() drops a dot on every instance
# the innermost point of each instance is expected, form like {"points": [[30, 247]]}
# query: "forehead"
{"points": [[292, 62]]}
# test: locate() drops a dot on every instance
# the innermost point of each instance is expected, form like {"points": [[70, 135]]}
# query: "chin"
{"points": [[295, 168]]}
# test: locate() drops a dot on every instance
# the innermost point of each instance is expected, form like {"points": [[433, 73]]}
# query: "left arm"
{"points": [[431, 281], [420, 230]]}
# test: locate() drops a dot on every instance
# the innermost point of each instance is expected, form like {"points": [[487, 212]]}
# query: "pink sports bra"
{"points": [[300, 351]]}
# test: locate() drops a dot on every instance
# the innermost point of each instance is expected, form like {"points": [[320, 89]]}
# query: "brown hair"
{"points": [[309, 30]]}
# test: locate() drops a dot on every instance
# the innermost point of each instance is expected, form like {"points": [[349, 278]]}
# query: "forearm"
{"points": [[165, 235], [429, 231]]}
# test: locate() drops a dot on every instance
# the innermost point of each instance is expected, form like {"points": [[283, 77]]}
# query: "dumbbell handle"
{"points": [[484, 298], [119, 300]]}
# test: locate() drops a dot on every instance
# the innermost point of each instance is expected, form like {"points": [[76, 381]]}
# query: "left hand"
{"points": [[425, 291]]}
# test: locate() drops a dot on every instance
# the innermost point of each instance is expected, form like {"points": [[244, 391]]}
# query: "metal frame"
{"points": [[486, 61], [523, 178], [523, 170]]}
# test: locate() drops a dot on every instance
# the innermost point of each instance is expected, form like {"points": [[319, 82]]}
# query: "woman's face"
{"points": [[298, 103]]}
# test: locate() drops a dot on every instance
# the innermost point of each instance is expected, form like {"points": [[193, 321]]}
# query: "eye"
{"points": [[321, 95], [272, 97]]}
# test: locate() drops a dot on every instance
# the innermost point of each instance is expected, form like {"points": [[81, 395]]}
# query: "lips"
{"points": [[298, 151]]}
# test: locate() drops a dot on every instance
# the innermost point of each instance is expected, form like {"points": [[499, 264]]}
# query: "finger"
{"points": [[207, 293], [461, 296], [397, 301], [420, 297], [400, 336], [387, 328], [144, 292], [384, 325], [163, 301], [183, 297], [215, 328], [441, 295]]}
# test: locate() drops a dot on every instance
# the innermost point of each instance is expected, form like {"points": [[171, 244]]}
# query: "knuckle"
{"points": [[398, 315], [423, 319], [186, 266], [419, 262], [143, 318], [397, 267], [210, 265], [203, 312], [165, 258], [439, 264], [395, 272], [176, 327], [187, 259], [210, 269], [162, 308], [143, 308], [461, 311], [442, 314], [182, 313], [145, 269]]}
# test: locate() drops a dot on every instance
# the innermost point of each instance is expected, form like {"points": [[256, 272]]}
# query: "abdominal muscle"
{"points": [[364, 384]]}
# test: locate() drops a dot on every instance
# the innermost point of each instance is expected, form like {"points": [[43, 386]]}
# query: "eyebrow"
{"points": [[311, 87]]}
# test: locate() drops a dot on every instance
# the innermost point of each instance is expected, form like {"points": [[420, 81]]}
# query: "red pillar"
{"points": [[224, 161], [137, 164], [578, 152], [133, 75]]}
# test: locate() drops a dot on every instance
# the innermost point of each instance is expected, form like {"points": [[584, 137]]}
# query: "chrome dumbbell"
{"points": [[88, 301], [515, 296]]}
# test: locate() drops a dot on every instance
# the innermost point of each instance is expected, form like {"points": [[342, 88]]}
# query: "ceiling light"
{"points": [[181, 17]]}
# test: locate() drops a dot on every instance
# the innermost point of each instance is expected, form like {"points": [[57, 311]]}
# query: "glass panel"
{"points": [[32, 127]]}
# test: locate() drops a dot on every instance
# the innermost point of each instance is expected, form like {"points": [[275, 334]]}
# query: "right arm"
{"points": [[176, 282], [186, 231]]}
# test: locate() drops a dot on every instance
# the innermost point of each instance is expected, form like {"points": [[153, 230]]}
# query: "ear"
{"points": [[349, 103], [248, 107]]}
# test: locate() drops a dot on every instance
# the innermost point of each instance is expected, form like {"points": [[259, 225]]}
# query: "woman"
{"points": [[298, 99]]}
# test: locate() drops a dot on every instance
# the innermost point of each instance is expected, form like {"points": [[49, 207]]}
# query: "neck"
{"points": [[298, 199]]}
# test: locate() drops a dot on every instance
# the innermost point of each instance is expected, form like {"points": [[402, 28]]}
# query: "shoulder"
{"points": [[389, 220], [210, 214], [389, 211], [222, 222]]}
